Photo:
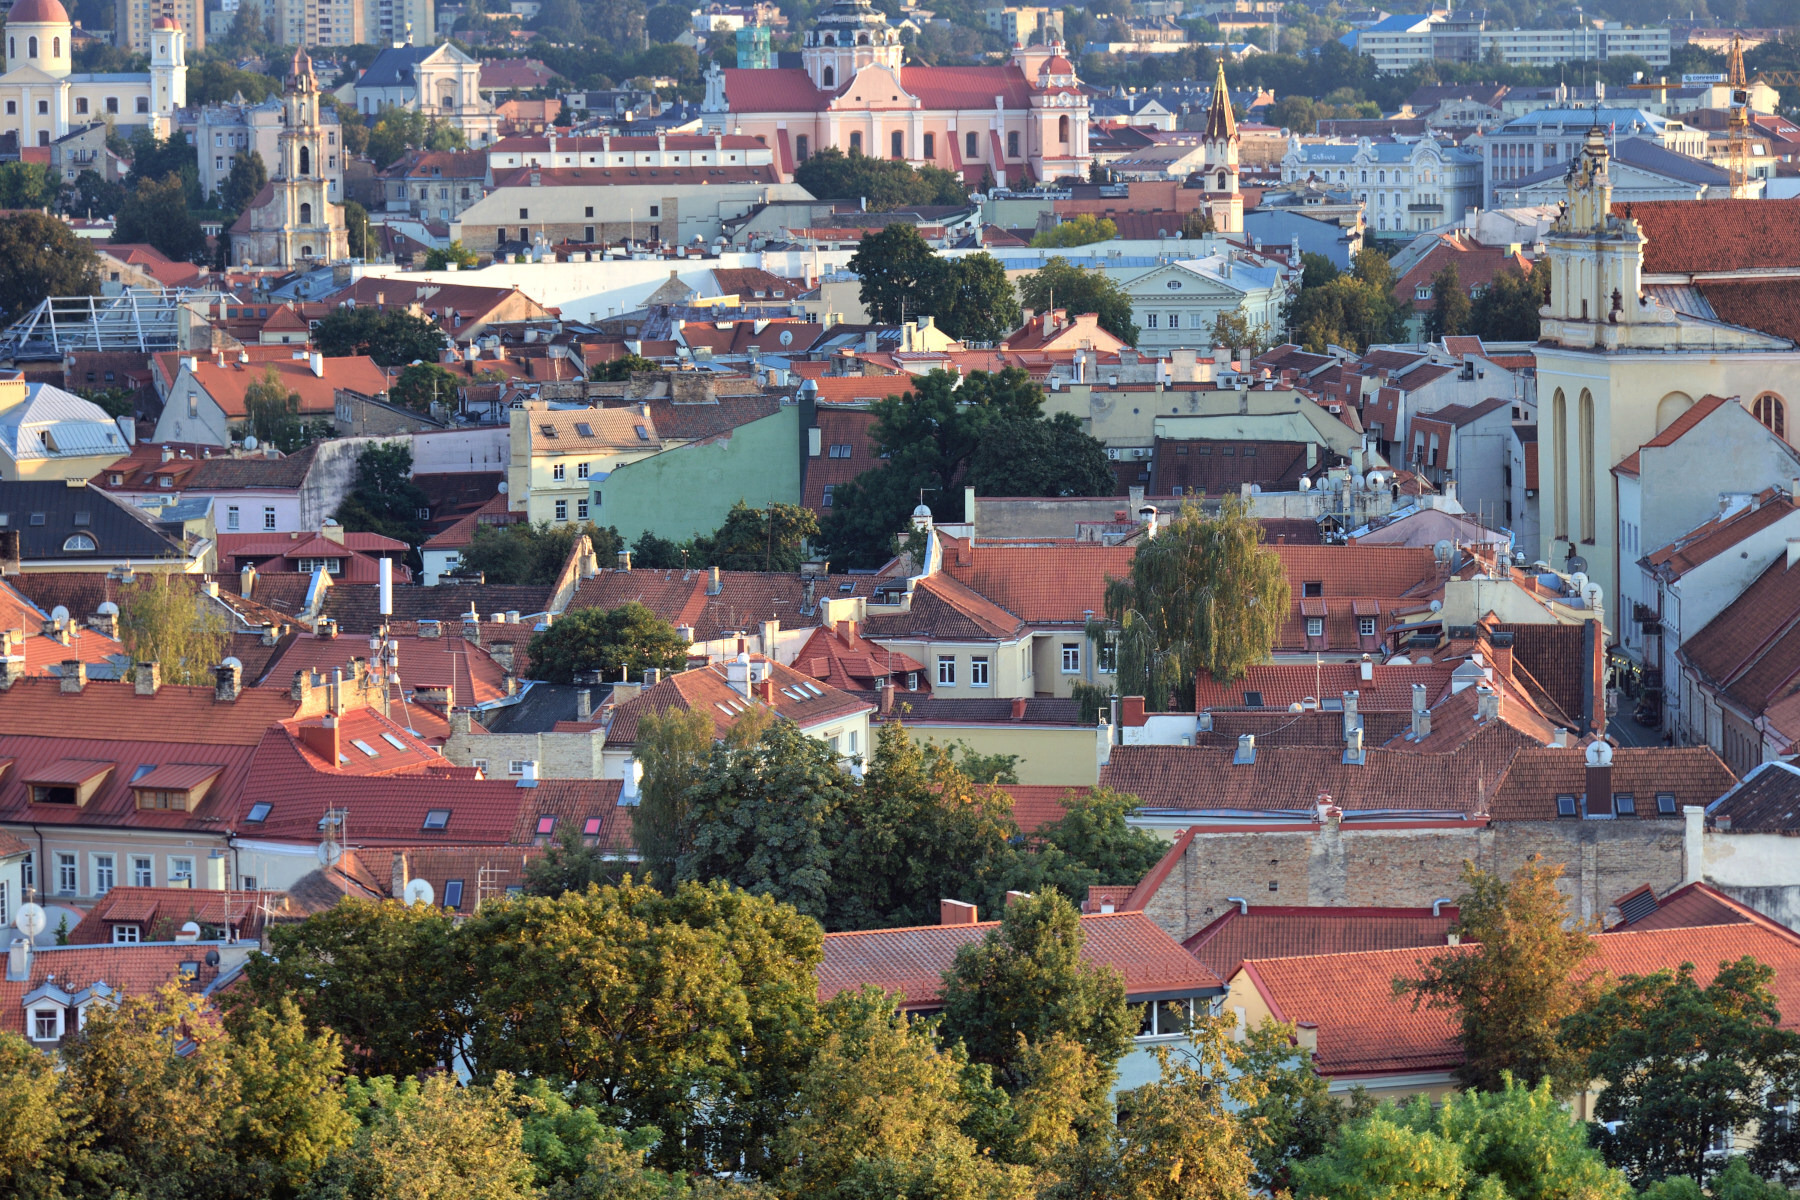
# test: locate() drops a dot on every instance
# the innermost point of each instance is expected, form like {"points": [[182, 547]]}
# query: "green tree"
{"points": [[40, 257], [1203, 595], [163, 620], [1027, 978], [1092, 843], [1295, 112], [523, 553], [428, 1139], [759, 539], [628, 638], [1450, 306], [424, 384], [247, 178], [1295, 1117], [975, 300], [272, 416], [1182, 1137], [760, 816], [154, 158], [1351, 310], [392, 338], [464, 258], [1507, 309], [659, 553], [29, 185], [156, 212], [885, 184], [1684, 1063], [900, 274], [621, 368], [569, 864], [666, 22], [880, 1113], [289, 1117], [383, 497], [217, 81], [1197, 223], [37, 1136], [687, 1012], [1080, 230], [674, 748], [384, 977], [92, 196], [1079, 290], [1233, 329], [1514, 980], [356, 226], [1383, 1158]]}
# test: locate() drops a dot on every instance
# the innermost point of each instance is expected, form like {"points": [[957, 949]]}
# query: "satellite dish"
{"points": [[108, 609], [419, 891], [1599, 753], [1305, 484], [1444, 551], [503, 487], [190, 932], [250, 442], [329, 853], [1437, 606], [233, 661], [30, 920], [59, 614], [212, 958], [1577, 565]]}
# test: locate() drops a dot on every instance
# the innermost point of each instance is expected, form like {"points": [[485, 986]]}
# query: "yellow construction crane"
{"points": [[1739, 125]]}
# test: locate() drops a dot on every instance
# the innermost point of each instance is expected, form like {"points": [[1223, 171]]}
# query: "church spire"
{"points": [[1220, 125]]}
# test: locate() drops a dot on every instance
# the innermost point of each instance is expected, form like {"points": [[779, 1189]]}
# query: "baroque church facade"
{"points": [[1020, 122], [42, 98], [293, 222]]}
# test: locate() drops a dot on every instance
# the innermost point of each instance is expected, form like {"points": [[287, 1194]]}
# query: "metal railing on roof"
{"points": [[138, 320]]}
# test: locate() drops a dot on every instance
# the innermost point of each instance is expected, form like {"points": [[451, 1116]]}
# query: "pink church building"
{"points": [[1024, 121]]}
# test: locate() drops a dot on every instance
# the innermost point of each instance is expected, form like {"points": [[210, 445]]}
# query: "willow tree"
{"points": [[163, 619], [1204, 594]]}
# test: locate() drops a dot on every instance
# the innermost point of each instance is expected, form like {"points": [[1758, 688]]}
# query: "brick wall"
{"points": [[1330, 865]]}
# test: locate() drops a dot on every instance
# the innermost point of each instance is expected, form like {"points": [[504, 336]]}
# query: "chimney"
{"points": [[318, 364], [472, 629], [502, 653], [1246, 750], [1018, 708], [146, 678], [1487, 703], [1351, 700], [106, 621], [301, 691], [1421, 714], [246, 581], [1365, 670], [230, 674], [887, 698], [584, 705], [12, 666], [846, 631], [771, 630], [1131, 712], [652, 677], [956, 912], [18, 960], [1599, 778], [397, 884], [624, 560], [1353, 746], [327, 629], [322, 739], [713, 586], [765, 689], [431, 629], [74, 676]]}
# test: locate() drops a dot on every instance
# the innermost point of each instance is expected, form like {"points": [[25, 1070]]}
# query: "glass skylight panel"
{"points": [[364, 747]]}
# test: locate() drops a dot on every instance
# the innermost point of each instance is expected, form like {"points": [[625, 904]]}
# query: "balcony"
{"points": [[1425, 208]]}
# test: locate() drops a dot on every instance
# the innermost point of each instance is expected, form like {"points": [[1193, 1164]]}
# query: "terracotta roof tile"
{"points": [[851, 662], [132, 970], [146, 906], [912, 961], [1719, 535], [706, 689], [744, 600], [1037, 805], [42, 651], [836, 466], [227, 384], [356, 607], [503, 868], [1275, 931], [1695, 237], [441, 662], [1769, 305], [1767, 800], [1691, 774]]}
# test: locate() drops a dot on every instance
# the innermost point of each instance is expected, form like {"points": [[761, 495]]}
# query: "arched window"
{"points": [[1772, 412], [829, 75], [856, 142], [31, 47], [80, 541], [1587, 466], [862, 39], [12, 48], [1062, 130], [897, 145], [306, 214], [802, 145], [1559, 460], [305, 161], [306, 252], [1221, 181], [55, 47]]}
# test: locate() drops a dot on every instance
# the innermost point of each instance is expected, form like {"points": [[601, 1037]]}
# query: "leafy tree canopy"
{"points": [[903, 278], [383, 497], [1080, 230], [392, 338], [629, 638], [423, 384], [40, 257], [1450, 304], [1348, 310], [830, 174], [1507, 309], [1079, 290], [464, 258], [164, 621], [157, 212], [524, 553]]}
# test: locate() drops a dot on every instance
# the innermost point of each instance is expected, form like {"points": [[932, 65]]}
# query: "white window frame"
{"points": [[1071, 658], [1365, 626], [179, 871], [127, 935], [978, 671], [581, 470], [68, 873], [105, 868], [1315, 627], [946, 676], [562, 510], [231, 518], [53, 1011], [143, 871], [268, 517], [556, 471]]}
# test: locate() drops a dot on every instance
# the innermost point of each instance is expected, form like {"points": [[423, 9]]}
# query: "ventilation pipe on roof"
{"points": [[1437, 906], [1243, 904]]}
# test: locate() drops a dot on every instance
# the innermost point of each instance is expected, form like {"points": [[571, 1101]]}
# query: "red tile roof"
{"points": [[967, 87], [1769, 305], [1692, 774], [1036, 805], [744, 600], [707, 689], [1723, 533], [1282, 931], [497, 869], [840, 427], [1686, 237], [440, 662], [1766, 800], [227, 384], [132, 970], [43, 651], [1364, 1029], [912, 961], [151, 907], [849, 661], [1751, 650], [943, 609]]}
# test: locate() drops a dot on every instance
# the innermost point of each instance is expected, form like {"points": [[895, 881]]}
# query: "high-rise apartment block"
{"points": [[134, 19], [353, 22]]}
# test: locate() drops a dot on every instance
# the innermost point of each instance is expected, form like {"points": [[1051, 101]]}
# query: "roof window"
{"points": [[547, 429], [1565, 806], [258, 813], [364, 747], [643, 434], [393, 741], [453, 890], [437, 818], [546, 824], [591, 827], [584, 429], [1665, 803]]}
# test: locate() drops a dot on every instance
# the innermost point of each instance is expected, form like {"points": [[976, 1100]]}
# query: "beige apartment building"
{"points": [[559, 457], [134, 19]]}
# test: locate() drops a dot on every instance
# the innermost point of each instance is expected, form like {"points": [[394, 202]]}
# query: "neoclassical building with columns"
{"points": [[41, 98], [1023, 121]]}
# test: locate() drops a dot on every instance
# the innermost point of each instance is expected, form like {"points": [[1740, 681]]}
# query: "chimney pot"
{"points": [[147, 678], [74, 676], [1018, 708], [230, 680], [956, 912]]}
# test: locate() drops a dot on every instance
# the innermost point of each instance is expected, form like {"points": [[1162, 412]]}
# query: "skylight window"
{"points": [[393, 741], [453, 893], [813, 688], [258, 814], [548, 430], [1665, 803], [437, 818], [364, 747], [143, 769], [591, 827], [724, 708], [643, 434], [1565, 806], [584, 429], [546, 824]]}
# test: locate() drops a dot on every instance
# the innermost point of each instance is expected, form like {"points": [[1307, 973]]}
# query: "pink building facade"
{"points": [[1022, 122]]}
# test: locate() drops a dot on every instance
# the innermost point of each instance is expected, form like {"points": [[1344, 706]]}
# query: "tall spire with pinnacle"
{"points": [[1220, 125]]}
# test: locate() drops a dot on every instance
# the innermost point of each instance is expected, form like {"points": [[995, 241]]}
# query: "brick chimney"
{"points": [[956, 912], [12, 661], [322, 739], [1131, 712], [502, 653], [230, 676], [397, 883], [74, 675], [1018, 708], [1487, 703], [1502, 646], [146, 678], [887, 698], [1599, 757]]}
